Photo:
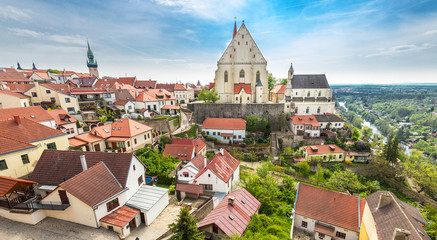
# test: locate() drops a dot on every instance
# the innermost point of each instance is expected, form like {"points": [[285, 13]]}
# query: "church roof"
{"points": [[309, 81], [238, 87]]}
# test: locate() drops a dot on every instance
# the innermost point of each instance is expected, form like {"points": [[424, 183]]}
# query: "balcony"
{"points": [[23, 202]]}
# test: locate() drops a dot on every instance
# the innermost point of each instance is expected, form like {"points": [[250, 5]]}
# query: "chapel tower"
{"points": [[92, 63]]}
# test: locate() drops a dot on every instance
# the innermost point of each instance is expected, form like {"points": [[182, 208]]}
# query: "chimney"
{"points": [[401, 234], [222, 151], [231, 200], [17, 120], [384, 200], [205, 161], [83, 162]]}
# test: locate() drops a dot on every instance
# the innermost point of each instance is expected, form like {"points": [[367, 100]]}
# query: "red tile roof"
{"points": [[179, 87], [123, 127], [233, 218], [43, 75], [211, 85], [14, 94], [34, 113], [329, 207], [7, 183], [189, 188], [324, 229], [223, 166], [12, 75], [305, 120], [61, 116], [94, 185], [105, 83], [238, 87], [323, 149], [88, 138], [8, 145], [61, 88], [199, 144], [161, 94], [224, 123], [78, 91], [127, 80], [145, 84], [143, 96], [172, 107], [15, 87], [199, 161], [29, 131], [182, 152], [74, 142], [55, 166], [278, 89], [120, 217]]}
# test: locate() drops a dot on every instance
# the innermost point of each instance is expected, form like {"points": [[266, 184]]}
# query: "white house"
{"points": [[146, 102], [221, 174], [64, 121], [127, 105], [188, 173], [227, 130], [305, 125], [330, 121]]}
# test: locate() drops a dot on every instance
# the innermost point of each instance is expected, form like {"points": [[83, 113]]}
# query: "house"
{"points": [[305, 125], [178, 90], [145, 84], [97, 189], [182, 152], [231, 216], [35, 113], [122, 135], [387, 217], [164, 98], [325, 214], [127, 106], [64, 121], [330, 121], [227, 130], [147, 102], [90, 99], [198, 143], [51, 94], [221, 174], [328, 153], [10, 75], [277, 94], [105, 83], [127, 80], [21, 143], [9, 99], [188, 173], [82, 82], [357, 156]]}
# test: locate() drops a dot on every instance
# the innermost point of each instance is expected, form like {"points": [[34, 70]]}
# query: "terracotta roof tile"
{"points": [[8, 145], [14, 94], [278, 89], [145, 84], [189, 188], [74, 142], [144, 97], [61, 88], [105, 83], [54, 166], [7, 183], [12, 75], [199, 144], [94, 185], [199, 162], [29, 131], [224, 123], [173, 107], [179, 87], [182, 152], [127, 80], [88, 138], [233, 218], [34, 113], [329, 207], [323, 149], [223, 166], [160, 94], [305, 120], [15, 87], [120, 217], [61, 116], [238, 87]]}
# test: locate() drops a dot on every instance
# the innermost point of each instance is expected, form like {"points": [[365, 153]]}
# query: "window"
{"points": [[247, 98], [3, 165], [128, 143], [236, 99], [321, 235], [71, 130], [135, 141], [51, 146], [140, 180], [341, 235], [239, 136], [25, 104], [110, 228], [242, 73], [213, 133], [134, 167], [246, 43], [238, 43], [214, 228], [296, 93], [226, 76], [112, 204], [207, 132], [242, 36], [185, 174], [70, 109], [48, 91], [34, 94], [304, 224], [145, 137], [67, 100], [308, 94], [52, 99], [209, 174], [25, 158], [296, 110], [148, 135], [308, 110], [318, 110], [107, 95], [320, 93], [207, 187]]}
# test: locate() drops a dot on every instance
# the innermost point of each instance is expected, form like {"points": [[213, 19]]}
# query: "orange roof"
{"points": [[179, 87], [34, 113], [120, 217], [182, 152], [117, 139], [224, 123], [12, 75], [16, 87], [222, 165], [43, 75], [323, 149], [74, 142], [28, 131], [160, 94], [14, 94], [61, 116], [105, 83], [238, 87], [62, 88], [88, 137], [77, 91], [278, 89], [127, 80], [330, 207], [7, 183], [8, 145], [305, 120], [144, 97], [123, 127], [170, 107]]}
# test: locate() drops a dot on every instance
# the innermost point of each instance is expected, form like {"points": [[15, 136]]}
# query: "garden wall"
{"points": [[160, 124]]}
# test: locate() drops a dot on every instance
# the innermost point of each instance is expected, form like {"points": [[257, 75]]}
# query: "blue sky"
{"points": [[379, 41]]}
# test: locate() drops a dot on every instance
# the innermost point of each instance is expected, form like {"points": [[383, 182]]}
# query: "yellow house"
{"points": [[9, 99], [22, 142], [326, 152]]}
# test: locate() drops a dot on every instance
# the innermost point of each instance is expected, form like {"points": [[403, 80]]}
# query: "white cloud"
{"points": [[13, 13], [65, 39], [431, 32], [401, 49], [208, 9]]}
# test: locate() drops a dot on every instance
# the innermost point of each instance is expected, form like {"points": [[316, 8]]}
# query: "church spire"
{"points": [[33, 66], [91, 61], [18, 66], [235, 28]]}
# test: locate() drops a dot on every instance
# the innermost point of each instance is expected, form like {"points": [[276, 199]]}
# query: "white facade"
{"points": [[70, 129], [237, 135], [218, 185], [310, 226], [153, 106], [308, 129], [312, 108], [242, 62], [331, 125]]}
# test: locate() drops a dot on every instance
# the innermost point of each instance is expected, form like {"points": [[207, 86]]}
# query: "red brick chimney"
{"points": [[17, 120]]}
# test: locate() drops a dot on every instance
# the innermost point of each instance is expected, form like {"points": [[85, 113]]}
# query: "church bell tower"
{"points": [[92, 63]]}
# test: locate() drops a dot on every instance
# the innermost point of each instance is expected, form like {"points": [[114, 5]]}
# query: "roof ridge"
{"points": [[403, 213], [92, 167], [13, 139]]}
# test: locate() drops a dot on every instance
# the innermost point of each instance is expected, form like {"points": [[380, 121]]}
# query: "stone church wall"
{"points": [[234, 110]]}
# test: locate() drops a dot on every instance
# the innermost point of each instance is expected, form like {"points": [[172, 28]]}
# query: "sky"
{"points": [[353, 42]]}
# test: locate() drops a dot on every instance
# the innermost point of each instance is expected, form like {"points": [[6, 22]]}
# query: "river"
{"points": [[375, 129]]}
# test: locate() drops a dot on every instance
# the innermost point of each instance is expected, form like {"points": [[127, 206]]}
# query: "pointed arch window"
{"points": [[308, 110], [318, 110], [320, 93], [242, 73], [308, 94], [258, 76], [226, 76]]}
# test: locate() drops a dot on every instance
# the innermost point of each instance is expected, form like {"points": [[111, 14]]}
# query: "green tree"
{"points": [[319, 176], [210, 96], [164, 141], [303, 168], [255, 123], [53, 71], [390, 152], [346, 179], [185, 227], [422, 172], [272, 82], [367, 133], [284, 81]]}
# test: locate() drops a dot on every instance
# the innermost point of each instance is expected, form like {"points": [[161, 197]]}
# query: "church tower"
{"points": [[241, 75], [92, 63]]}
